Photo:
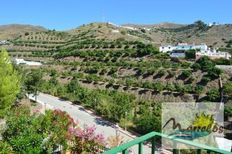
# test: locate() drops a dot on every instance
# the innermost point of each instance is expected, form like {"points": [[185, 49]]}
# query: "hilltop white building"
{"points": [[182, 46], [3, 42], [24, 62], [213, 54], [178, 51]]}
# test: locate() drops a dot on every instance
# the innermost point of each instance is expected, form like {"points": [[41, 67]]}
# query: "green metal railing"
{"points": [[151, 136]]}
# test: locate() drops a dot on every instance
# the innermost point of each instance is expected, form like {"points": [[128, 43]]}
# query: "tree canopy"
{"points": [[10, 83]]}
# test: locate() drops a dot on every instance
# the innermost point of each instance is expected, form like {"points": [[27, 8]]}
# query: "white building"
{"points": [[3, 42], [167, 48], [178, 51], [183, 46], [213, 54], [24, 62]]}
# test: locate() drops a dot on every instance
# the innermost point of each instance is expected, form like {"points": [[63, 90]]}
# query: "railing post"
{"points": [[153, 145], [175, 150], [141, 148], [124, 151]]}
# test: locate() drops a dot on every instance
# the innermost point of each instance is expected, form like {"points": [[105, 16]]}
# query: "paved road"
{"points": [[79, 114]]}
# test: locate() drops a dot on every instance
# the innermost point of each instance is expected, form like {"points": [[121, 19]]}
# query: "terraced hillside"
{"points": [[118, 72], [37, 38], [122, 58], [198, 32]]}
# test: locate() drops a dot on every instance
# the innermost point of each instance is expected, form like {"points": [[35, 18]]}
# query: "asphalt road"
{"points": [[82, 116]]}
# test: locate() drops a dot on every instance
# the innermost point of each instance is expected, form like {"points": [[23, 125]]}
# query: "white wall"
{"points": [[166, 49]]}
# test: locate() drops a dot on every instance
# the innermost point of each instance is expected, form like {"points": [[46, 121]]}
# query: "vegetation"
{"points": [[201, 25], [117, 78], [109, 104], [228, 110], [32, 82], [190, 54], [213, 95], [38, 133], [9, 85], [228, 89]]}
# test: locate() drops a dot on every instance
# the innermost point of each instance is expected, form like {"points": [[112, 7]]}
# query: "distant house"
{"points": [[177, 54], [179, 50], [213, 54], [182, 46], [167, 48], [3, 42]]}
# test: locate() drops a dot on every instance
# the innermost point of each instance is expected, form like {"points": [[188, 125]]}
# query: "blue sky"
{"points": [[67, 14]]}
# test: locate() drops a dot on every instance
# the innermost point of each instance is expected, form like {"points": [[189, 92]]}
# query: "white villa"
{"points": [[182, 46], [24, 62], [213, 54], [3, 42], [178, 51]]}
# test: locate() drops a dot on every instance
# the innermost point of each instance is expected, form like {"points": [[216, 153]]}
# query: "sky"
{"points": [[68, 14]]}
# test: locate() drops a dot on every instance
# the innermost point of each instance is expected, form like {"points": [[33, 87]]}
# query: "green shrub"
{"points": [[213, 95], [228, 110], [186, 73]]}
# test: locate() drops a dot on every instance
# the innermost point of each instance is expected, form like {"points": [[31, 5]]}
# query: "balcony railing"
{"points": [[151, 136]]}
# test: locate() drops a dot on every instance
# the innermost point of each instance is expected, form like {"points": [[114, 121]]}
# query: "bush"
{"points": [[26, 133], [201, 25], [123, 32], [213, 95], [190, 54], [143, 50], [205, 63], [157, 86], [160, 73], [228, 89], [186, 73], [205, 80], [10, 83], [199, 89], [196, 66], [228, 110], [86, 140], [214, 73], [149, 120]]}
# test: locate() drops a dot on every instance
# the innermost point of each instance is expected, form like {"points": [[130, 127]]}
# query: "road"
{"points": [[82, 116]]}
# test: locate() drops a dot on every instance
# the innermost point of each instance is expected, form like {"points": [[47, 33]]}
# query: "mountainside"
{"points": [[105, 58], [160, 25], [198, 32], [157, 34], [124, 58], [14, 30]]}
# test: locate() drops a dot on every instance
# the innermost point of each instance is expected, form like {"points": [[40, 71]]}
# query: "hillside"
{"points": [[157, 34], [124, 58], [170, 33], [104, 66], [14, 30]]}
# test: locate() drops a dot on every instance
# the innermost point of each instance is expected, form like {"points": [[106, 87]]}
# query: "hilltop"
{"points": [[14, 30], [198, 32], [157, 34]]}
